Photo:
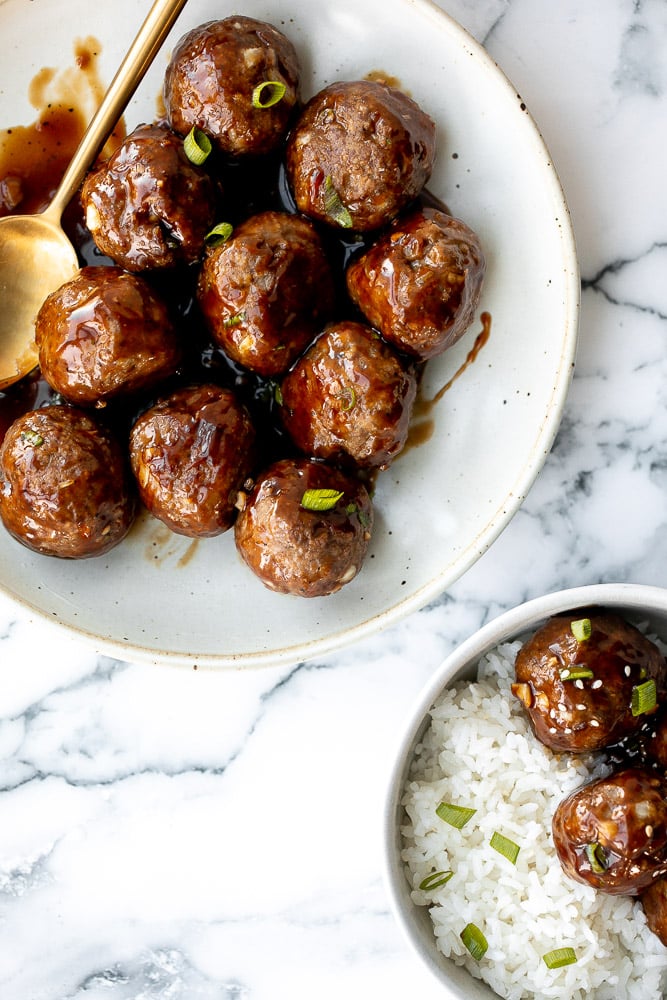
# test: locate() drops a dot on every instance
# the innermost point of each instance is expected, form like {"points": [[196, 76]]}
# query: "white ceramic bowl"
{"points": [[159, 596], [634, 602]]}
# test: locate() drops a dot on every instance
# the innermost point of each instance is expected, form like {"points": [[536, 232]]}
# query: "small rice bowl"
{"points": [[479, 752]]}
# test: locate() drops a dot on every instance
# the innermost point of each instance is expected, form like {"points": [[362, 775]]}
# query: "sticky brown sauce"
{"points": [[422, 425], [33, 157]]}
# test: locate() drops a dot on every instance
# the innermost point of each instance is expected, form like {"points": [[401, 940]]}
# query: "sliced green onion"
{"points": [[474, 941], [275, 91], [559, 957], [322, 499], [505, 846], [644, 697], [278, 395], [32, 438], [349, 395], [219, 234], [597, 858], [333, 206], [435, 880], [234, 320], [581, 629], [456, 816], [197, 146], [576, 674]]}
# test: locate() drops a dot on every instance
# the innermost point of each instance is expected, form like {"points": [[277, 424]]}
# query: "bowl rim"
{"points": [[632, 598]]}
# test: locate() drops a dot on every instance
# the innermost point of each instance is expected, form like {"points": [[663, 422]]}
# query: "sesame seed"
{"points": [[552, 713], [579, 684], [596, 684], [626, 670], [567, 730], [595, 723], [582, 708], [648, 830], [552, 729]]}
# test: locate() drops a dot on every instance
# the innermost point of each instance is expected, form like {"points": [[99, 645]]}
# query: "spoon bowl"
{"points": [[36, 256]]}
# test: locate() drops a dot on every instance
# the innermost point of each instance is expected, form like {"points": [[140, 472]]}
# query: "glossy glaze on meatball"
{"points": [[612, 833], [266, 291], [190, 454], [148, 207], [297, 550], [579, 692], [103, 334], [359, 152], [654, 903], [349, 398], [421, 282], [64, 486], [213, 74]]}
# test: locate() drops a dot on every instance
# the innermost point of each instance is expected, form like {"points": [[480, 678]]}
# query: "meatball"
{"points": [[148, 206], [224, 77], [265, 292], [420, 283], [191, 454], [579, 693], [104, 333], [64, 486], [305, 528], [654, 902], [349, 397], [612, 833], [359, 152]]}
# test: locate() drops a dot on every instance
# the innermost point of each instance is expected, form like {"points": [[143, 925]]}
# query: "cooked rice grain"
{"points": [[480, 752]]}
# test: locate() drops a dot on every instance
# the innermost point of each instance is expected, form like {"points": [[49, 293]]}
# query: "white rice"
{"points": [[480, 752]]}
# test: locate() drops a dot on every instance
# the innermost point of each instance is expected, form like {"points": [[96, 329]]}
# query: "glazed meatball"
{"points": [[654, 902], [222, 78], [359, 152], [579, 692], [612, 833], [148, 206], [349, 398], [190, 454], [297, 550], [104, 333], [64, 487], [266, 291], [421, 282]]}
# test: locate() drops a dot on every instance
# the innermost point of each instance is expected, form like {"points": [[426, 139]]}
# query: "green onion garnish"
{"points": [[234, 320], [581, 629], [435, 880], [576, 674], [321, 500], [219, 234], [597, 858], [32, 438], [474, 941], [334, 207], [278, 395], [349, 396], [266, 94], [505, 846], [456, 816], [644, 697], [559, 957], [197, 146]]}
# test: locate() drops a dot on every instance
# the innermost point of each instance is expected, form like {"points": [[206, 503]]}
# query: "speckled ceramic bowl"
{"points": [[637, 603], [474, 455]]}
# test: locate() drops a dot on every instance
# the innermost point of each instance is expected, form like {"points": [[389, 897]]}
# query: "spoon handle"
{"points": [[131, 71]]}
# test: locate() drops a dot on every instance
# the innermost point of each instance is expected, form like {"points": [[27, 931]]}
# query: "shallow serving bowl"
{"points": [[638, 604], [159, 596]]}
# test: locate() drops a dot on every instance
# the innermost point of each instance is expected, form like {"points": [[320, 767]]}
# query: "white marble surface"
{"points": [[172, 834]]}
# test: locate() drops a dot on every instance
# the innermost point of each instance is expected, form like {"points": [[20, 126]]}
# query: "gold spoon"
{"points": [[36, 256]]}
